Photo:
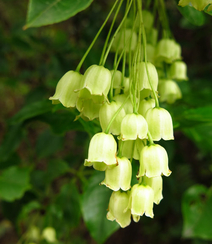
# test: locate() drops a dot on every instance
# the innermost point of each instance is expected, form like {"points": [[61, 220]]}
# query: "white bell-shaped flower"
{"points": [[102, 152], [153, 161], [159, 124], [119, 177]]}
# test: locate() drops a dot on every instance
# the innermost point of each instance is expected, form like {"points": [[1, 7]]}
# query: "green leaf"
{"points": [[46, 12], [61, 121], [203, 114], [55, 169], [65, 209], [11, 141], [14, 182], [201, 135], [48, 144], [194, 16], [197, 212], [94, 208], [31, 110], [28, 208]]}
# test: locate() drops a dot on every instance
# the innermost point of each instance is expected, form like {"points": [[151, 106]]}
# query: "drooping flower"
{"points": [[133, 126], [117, 209], [145, 105], [106, 113], [141, 201], [156, 183], [119, 177], [66, 89], [178, 71], [167, 50], [153, 161], [102, 152], [159, 124], [97, 80], [142, 78], [169, 91]]}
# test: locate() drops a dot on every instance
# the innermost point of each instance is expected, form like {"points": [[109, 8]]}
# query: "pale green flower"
{"points": [[153, 161], [117, 209], [119, 177], [102, 152], [160, 124]]}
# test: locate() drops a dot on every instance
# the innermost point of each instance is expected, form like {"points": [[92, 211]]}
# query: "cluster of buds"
{"points": [[125, 101]]}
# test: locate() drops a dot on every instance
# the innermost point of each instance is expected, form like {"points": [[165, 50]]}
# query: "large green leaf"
{"points": [[45, 12], [203, 114], [55, 169], [48, 143], [202, 135], [65, 209], [197, 212], [94, 208], [194, 16], [31, 110], [11, 141], [14, 182]]}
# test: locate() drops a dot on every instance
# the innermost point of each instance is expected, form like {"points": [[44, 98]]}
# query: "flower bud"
{"points": [[97, 80], [133, 126], [150, 49], [153, 161], [169, 91], [128, 107], [102, 152], [126, 38], [152, 38], [148, 20], [119, 177], [156, 183], [167, 51], [141, 201], [49, 234], [117, 78], [117, 208], [178, 71], [160, 124], [107, 112], [145, 105], [65, 89], [142, 78]]}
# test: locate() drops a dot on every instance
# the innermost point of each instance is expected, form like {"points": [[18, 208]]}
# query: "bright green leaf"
{"points": [[14, 182], [94, 208], [194, 16], [46, 12]]}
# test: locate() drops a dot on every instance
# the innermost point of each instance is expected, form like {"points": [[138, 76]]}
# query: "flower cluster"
{"points": [[125, 101]]}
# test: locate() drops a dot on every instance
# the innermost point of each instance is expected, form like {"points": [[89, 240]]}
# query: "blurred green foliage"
{"points": [[42, 179]]}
